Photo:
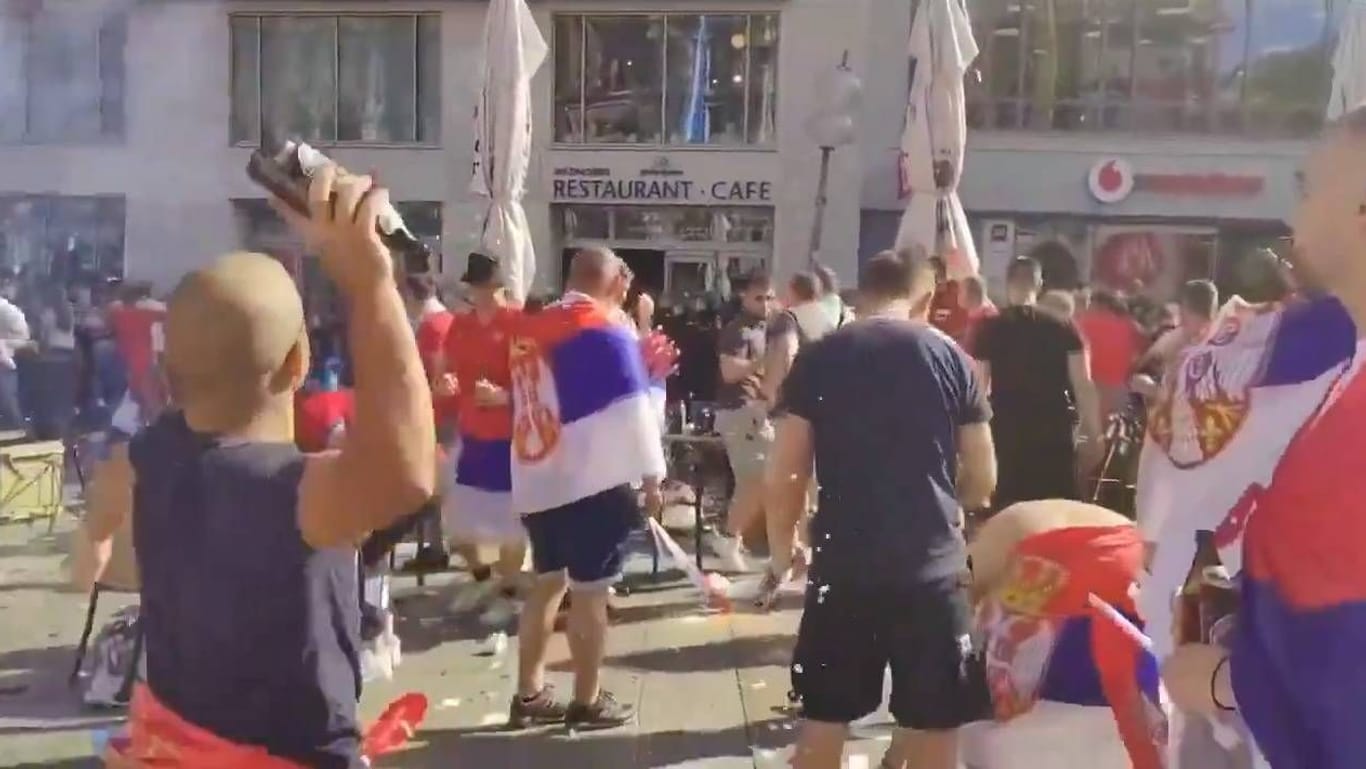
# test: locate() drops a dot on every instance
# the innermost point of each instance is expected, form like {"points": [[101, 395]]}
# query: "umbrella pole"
{"points": [[818, 221]]}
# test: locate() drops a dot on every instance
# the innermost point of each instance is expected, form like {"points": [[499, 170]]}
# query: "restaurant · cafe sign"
{"points": [[659, 182], [1113, 180]]}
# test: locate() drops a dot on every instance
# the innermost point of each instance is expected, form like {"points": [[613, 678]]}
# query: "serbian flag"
{"points": [[1297, 653], [583, 418], [1227, 410], [1063, 630]]}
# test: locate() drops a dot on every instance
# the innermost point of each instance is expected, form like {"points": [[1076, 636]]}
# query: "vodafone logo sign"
{"points": [[1111, 180]]}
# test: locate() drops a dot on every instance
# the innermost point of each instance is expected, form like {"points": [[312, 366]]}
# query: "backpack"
{"points": [[117, 661]]}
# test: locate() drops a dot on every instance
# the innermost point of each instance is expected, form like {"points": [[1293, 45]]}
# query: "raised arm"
{"points": [[385, 469]]}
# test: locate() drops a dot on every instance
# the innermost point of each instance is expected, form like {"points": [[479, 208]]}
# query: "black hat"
{"points": [[481, 270]]}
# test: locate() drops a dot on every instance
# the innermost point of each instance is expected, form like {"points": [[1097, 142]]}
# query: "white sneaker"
{"points": [[730, 550], [494, 645]]}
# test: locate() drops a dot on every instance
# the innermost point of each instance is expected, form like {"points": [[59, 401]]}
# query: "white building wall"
{"points": [[179, 172]]}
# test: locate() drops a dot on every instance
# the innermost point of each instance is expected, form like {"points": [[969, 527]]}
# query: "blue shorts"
{"points": [[586, 538]]}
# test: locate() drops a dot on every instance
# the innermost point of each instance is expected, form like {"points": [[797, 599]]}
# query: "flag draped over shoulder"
{"points": [[583, 417], [1296, 662], [1226, 413]]}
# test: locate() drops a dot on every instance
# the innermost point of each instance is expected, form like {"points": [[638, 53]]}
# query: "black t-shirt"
{"points": [[1028, 351], [885, 399]]}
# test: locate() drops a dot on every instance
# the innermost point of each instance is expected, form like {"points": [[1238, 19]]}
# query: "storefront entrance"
{"points": [[680, 254]]}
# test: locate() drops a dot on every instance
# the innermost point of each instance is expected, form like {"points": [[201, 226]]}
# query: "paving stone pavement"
{"points": [[710, 689]]}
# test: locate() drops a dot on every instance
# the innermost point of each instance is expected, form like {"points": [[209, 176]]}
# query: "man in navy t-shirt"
{"points": [[898, 428]]}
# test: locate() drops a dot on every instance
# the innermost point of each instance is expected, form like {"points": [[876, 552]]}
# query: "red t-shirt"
{"points": [[318, 414], [132, 330], [946, 313], [482, 350], [1115, 344], [432, 331]]}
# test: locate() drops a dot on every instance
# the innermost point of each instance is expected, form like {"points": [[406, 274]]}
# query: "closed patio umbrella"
{"points": [[1349, 62], [932, 142], [513, 50]]}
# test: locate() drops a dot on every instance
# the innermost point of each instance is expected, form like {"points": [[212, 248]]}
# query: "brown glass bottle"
{"points": [[285, 173], [1192, 626]]}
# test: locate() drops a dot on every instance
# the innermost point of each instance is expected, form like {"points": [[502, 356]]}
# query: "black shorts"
{"points": [[587, 539], [850, 635]]}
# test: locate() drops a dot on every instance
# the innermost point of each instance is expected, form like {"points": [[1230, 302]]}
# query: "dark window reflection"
{"points": [[52, 241], [666, 79], [623, 73]]}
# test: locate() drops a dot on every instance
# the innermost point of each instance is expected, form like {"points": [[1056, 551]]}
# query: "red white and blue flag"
{"points": [[1226, 414], [583, 417], [1297, 666]]}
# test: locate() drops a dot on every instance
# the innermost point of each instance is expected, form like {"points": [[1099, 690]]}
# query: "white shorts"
{"points": [[1052, 735], [475, 516]]}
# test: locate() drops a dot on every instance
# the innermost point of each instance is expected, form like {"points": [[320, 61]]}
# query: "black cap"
{"points": [[481, 270]]}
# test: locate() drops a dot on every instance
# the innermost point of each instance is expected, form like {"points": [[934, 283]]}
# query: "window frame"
{"points": [[112, 90], [991, 108], [336, 18], [663, 143]]}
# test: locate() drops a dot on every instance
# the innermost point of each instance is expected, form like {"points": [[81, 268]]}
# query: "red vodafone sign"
{"points": [[1112, 180]]}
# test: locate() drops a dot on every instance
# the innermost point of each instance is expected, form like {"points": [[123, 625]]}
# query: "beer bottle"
{"points": [[1190, 616], [285, 174]]}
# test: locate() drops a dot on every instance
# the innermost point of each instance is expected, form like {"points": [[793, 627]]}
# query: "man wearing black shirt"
{"points": [[1036, 368], [900, 446]]}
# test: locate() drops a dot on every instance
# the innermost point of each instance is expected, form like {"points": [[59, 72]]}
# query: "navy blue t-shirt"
{"points": [[885, 398], [250, 633]]}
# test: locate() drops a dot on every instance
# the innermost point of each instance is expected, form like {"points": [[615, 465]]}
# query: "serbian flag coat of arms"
{"points": [[1227, 411], [583, 420]]}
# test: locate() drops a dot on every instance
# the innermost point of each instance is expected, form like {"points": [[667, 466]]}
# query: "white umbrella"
{"points": [[513, 50], [1349, 62], [941, 50]]}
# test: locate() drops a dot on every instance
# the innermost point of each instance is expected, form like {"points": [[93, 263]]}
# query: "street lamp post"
{"points": [[832, 127]]}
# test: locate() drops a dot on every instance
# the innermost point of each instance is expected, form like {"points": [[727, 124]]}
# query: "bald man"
{"points": [[1294, 670], [1060, 677], [245, 545], [580, 545]]}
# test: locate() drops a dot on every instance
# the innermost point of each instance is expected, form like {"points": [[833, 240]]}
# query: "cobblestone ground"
{"points": [[711, 690]]}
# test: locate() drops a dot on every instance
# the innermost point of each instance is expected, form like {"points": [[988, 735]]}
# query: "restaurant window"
{"points": [[675, 224], [357, 78], [1151, 66], [62, 75], [672, 79], [52, 241]]}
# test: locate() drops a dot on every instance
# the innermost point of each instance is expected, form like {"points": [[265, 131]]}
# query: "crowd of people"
{"points": [[919, 456]]}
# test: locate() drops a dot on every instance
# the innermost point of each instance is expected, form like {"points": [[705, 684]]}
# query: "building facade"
{"points": [[1133, 142], [1120, 140]]}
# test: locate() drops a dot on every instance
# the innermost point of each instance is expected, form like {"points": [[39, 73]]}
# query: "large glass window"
{"points": [[363, 78], [666, 78], [51, 241], [61, 75], [1151, 66]]}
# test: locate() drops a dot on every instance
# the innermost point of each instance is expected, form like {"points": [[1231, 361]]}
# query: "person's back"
{"points": [[888, 412], [227, 617], [1027, 350], [886, 449]]}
